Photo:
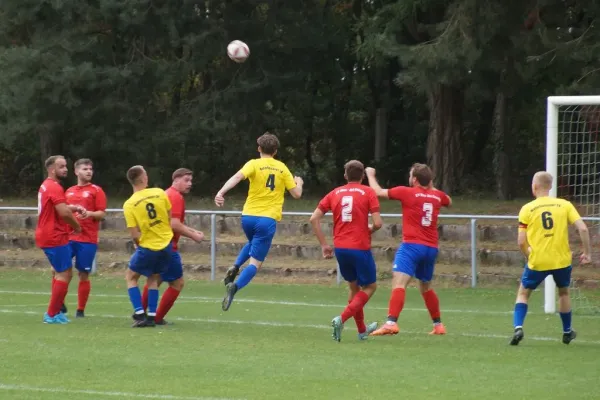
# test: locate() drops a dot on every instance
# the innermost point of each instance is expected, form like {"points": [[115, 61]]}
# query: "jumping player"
{"points": [[182, 183], [416, 256], [544, 240], [269, 178], [52, 235], [85, 244], [148, 215], [351, 205]]}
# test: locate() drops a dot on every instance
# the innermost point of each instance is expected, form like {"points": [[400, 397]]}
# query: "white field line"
{"points": [[205, 299], [309, 326], [198, 299], [25, 388]]}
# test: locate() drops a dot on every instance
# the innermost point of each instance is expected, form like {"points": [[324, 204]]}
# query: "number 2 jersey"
{"points": [[420, 211], [546, 221], [148, 210], [269, 179], [351, 205]]}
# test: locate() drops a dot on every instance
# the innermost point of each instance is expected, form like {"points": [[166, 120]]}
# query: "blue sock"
{"points": [[565, 317], [136, 299], [246, 276], [243, 256], [152, 301], [520, 313]]}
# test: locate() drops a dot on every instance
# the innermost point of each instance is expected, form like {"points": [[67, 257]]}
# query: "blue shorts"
{"points": [[174, 269], [150, 262], [531, 279], [357, 265], [260, 232], [416, 260], [59, 257], [84, 254]]}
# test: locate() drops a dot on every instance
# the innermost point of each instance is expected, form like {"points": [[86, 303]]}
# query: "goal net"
{"points": [[573, 159]]}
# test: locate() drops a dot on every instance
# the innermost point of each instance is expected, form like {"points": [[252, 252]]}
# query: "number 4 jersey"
{"points": [[148, 210], [420, 210], [546, 221], [269, 179], [351, 205]]}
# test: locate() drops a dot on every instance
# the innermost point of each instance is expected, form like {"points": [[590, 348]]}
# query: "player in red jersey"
{"points": [[84, 245], [351, 205], [52, 234], [421, 204], [182, 183]]}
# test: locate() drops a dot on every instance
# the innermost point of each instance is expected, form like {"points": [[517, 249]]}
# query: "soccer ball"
{"points": [[238, 51]]}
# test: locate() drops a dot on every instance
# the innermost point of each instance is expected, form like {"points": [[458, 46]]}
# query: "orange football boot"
{"points": [[389, 328], [438, 329]]}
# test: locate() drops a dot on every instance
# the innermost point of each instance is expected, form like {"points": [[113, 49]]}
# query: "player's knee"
{"points": [[400, 280], [256, 263], [424, 286], [564, 291], [370, 289], [177, 284], [84, 276]]}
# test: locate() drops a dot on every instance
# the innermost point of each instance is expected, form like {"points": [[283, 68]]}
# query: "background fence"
{"points": [[473, 219]]}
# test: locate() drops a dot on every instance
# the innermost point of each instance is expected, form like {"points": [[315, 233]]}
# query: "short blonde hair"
{"points": [[543, 179]]}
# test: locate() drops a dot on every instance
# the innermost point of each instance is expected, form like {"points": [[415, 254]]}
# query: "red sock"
{"points": [[166, 302], [83, 293], [433, 305], [396, 303], [57, 298], [359, 318], [145, 297], [358, 302], [53, 281]]}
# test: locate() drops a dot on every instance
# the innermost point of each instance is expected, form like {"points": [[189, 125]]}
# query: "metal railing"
{"points": [[213, 230]]}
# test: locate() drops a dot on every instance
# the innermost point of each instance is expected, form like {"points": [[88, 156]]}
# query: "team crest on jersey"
{"points": [[70, 193], [86, 194]]}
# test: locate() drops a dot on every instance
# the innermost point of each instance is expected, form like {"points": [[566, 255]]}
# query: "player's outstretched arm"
{"points": [[296, 191], [584, 234], [230, 184], [64, 211], [379, 191], [181, 229], [315, 221]]}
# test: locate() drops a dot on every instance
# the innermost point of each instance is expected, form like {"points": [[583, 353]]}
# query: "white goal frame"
{"points": [[552, 122]]}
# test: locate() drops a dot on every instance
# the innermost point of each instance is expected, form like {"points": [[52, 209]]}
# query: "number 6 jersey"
{"points": [[546, 221], [148, 210], [420, 210], [351, 205]]}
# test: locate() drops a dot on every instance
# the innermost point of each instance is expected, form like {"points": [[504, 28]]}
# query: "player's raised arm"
{"points": [[379, 191]]}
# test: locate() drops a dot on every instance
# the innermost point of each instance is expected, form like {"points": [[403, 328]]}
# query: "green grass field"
{"points": [[275, 343]]}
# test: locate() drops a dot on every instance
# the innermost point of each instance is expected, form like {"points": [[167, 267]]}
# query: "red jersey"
{"points": [[177, 210], [351, 205], [51, 230], [92, 198], [420, 210]]}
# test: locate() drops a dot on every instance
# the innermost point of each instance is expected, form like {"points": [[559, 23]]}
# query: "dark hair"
{"points": [[423, 173], [83, 161], [268, 143], [134, 173], [51, 160], [181, 172], [355, 171]]}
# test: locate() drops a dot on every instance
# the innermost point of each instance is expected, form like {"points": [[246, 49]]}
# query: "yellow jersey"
{"points": [[148, 210], [546, 221], [269, 179]]}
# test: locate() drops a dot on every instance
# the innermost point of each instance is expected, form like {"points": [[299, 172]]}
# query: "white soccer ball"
{"points": [[238, 51]]}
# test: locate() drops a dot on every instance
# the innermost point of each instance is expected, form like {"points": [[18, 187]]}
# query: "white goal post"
{"points": [[573, 159]]}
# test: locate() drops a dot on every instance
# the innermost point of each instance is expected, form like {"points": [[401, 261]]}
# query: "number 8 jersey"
{"points": [[420, 210], [148, 210]]}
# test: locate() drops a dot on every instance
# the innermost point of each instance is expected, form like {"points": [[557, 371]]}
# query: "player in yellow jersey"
{"points": [[148, 218], [269, 179], [544, 240]]}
